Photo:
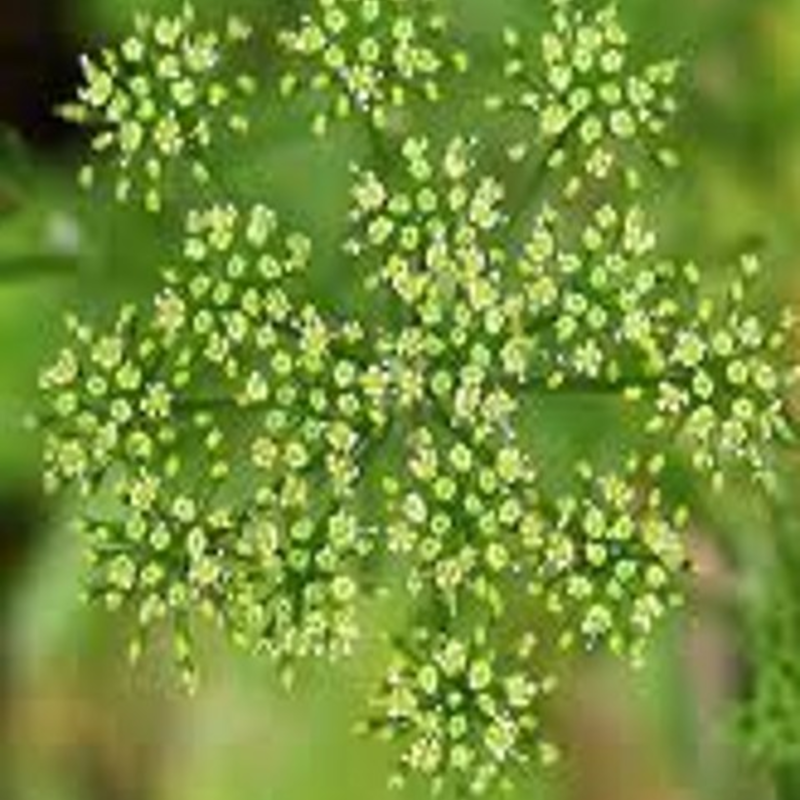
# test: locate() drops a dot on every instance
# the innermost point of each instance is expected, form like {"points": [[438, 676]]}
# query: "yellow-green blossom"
{"points": [[157, 104], [370, 57]]}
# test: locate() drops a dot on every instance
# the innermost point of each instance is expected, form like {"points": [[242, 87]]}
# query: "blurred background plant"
{"points": [[716, 711]]}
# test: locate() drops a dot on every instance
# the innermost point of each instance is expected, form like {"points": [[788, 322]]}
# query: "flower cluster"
{"points": [[612, 315], [241, 451], [593, 110], [602, 304], [155, 421], [431, 228], [461, 518], [607, 557], [157, 103], [370, 57], [431, 237], [460, 707], [723, 391]]}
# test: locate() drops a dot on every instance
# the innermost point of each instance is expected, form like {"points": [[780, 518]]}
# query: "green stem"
{"points": [[535, 181], [786, 780]]}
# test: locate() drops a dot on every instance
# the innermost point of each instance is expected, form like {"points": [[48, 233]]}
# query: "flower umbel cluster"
{"points": [[461, 708], [240, 450], [592, 112], [606, 557], [157, 103], [216, 438], [370, 57]]}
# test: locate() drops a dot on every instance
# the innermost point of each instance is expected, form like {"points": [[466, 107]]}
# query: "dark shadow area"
{"points": [[38, 66]]}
